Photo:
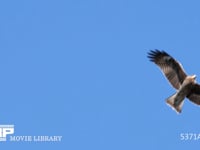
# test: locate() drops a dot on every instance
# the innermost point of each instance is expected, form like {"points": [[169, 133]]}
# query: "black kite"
{"points": [[185, 85]]}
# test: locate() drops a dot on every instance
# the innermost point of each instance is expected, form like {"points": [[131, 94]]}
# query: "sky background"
{"points": [[78, 68]]}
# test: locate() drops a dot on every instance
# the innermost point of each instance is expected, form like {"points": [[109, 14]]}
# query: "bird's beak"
{"points": [[194, 76]]}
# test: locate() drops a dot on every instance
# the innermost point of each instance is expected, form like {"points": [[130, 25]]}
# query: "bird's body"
{"points": [[176, 100], [186, 85]]}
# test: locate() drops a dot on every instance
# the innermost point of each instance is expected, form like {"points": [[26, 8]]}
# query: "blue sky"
{"points": [[78, 68]]}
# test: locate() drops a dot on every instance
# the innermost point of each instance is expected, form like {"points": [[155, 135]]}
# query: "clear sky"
{"points": [[78, 68]]}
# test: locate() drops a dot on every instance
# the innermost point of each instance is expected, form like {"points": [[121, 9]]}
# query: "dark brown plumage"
{"points": [[186, 85]]}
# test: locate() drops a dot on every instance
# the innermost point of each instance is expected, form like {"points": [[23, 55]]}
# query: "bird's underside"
{"points": [[185, 85], [176, 101]]}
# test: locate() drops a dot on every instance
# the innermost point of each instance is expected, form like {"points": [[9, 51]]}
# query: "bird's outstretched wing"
{"points": [[194, 96], [169, 66]]}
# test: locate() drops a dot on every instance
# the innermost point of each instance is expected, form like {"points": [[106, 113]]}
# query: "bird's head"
{"points": [[190, 79], [194, 76]]}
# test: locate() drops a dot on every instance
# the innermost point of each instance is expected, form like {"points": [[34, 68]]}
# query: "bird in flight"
{"points": [[185, 85]]}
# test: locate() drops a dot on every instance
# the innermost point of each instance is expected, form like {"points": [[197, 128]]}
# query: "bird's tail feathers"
{"points": [[175, 103]]}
